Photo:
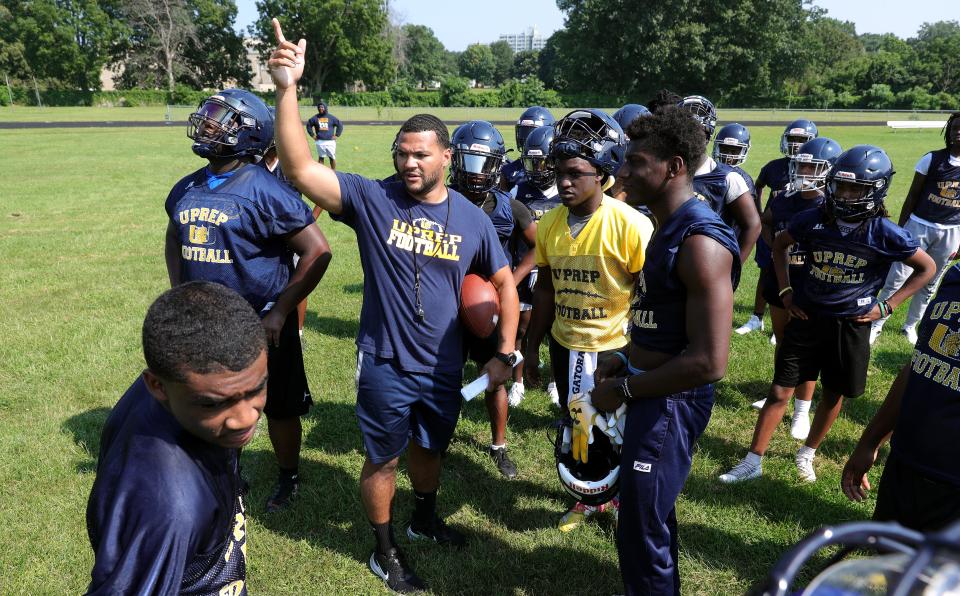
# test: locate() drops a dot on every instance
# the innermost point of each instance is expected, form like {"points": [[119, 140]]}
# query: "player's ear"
{"points": [[675, 166], [155, 386]]}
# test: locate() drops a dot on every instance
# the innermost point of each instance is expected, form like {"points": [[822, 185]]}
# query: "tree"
{"points": [[477, 63], [938, 55], [347, 40], [424, 57], [218, 54], [525, 65], [161, 32], [503, 61]]}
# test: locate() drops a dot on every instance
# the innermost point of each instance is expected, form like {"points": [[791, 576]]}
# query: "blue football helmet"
{"points": [[592, 135], [231, 123], [858, 183], [732, 144], [532, 118], [628, 113], [703, 112], [821, 153], [535, 158], [795, 134], [478, 152]]}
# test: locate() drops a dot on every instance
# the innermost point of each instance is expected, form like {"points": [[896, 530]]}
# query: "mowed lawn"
{"points": [[81, 233]]}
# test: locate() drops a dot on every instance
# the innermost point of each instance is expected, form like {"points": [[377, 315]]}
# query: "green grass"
{"points": [[81, 233]]}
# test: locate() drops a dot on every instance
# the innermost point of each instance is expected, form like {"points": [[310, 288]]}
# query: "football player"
{"points": [[531, 119], [166, 513], [325, 128], [235, 223]]}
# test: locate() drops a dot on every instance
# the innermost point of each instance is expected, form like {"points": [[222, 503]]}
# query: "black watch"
{"points": [[508, 359]]}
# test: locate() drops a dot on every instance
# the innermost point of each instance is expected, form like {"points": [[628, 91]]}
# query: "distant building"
{"points": [[521, 42], [261, 80]]}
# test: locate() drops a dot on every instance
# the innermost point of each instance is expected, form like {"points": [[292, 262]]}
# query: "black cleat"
{"points": [[437, 530], [283, 494], [392, 568], [504, 464]]}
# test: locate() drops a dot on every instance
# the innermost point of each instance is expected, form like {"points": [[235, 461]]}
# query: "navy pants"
{"points": [[655, 461]]}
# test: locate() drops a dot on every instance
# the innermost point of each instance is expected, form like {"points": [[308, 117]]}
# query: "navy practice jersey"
{"points": [[447, 240], [513, 173], [939, 200], [500, 212], [234, 233], [716, 187], [775, 175], [659, 321], [926, 433], [537, 201], [165, 514], [842, 274], [751, 186], [783, 205]]}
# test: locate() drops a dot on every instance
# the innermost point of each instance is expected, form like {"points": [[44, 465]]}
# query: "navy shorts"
{"points": [[394, 406]]}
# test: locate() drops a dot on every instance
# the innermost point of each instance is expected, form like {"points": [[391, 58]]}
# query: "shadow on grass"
{"points": [[890, 361], [86, 428], [520, 419], [334, 327], [353, 288]]}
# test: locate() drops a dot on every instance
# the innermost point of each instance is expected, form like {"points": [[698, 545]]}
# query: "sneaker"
{"points": [[284, 492], [758, 405], [554, 395], [392, 568], [800, 426], [754, 323], [773, 340], [744, 470], [504, 464], [875, 328], [576, 515], [516, 394], [437, 530], [911, 333], [805, 467]]}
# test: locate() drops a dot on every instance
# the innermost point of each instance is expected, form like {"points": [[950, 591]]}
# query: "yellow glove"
{"points": [[584, 416]]}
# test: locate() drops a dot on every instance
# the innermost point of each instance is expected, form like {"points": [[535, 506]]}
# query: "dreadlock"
{"points": [[946, 129]]}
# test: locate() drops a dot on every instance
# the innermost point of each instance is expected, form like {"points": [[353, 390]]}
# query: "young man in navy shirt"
{"points": [[165, 514], [417, 240], [325, 128]]}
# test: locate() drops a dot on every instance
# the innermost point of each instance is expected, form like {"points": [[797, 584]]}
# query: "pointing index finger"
{"points": [[278, 31]]}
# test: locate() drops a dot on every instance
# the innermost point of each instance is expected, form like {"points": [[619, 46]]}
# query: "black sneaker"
{"points": [[283, 494], [437, 530], [506, 466], [393, 570]]}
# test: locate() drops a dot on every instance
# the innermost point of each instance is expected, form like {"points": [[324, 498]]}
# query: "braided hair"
{"points": [[946, 129]]}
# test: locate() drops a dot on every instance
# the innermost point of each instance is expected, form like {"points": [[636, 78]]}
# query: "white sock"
{"points": [[301, 333], [801, 407], [808, 452], [753, 459], [518, 384], [496, 447]]}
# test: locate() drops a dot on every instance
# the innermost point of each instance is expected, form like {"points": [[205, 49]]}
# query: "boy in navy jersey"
{"points": [[417, 240], [920, 485], [850, 245], [931, 214], [166, 514], [235, 223], [679, 345]]}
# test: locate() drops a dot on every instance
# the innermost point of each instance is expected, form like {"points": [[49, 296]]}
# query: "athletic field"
{"points": [[81, 236]]}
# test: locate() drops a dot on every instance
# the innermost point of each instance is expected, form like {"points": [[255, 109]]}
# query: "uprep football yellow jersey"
{"points": [[593, 273]]}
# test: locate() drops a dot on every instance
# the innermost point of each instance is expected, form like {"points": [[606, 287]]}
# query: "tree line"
{"points": [[749, 53]]}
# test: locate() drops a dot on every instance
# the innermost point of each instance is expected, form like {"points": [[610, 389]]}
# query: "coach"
{"points": [[325, 128], [417, 240]]}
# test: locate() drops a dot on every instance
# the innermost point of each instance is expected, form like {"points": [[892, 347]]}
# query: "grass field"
{"points": [[81, 233]]}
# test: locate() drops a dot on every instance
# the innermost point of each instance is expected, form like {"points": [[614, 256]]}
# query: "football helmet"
{"points": [[822, 153], [627, 114], [732, 144], [703, 112], [535, 158], [231, 123], [592, 135], [531, 119], [478, 152], [592, 483], [795, 134], [858, 183]]}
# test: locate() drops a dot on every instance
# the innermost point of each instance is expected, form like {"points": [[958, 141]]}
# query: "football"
{"points": [[479, 305]]}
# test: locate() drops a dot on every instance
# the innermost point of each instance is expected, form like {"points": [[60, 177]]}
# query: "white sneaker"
{"points": [[744, 470], [516, 394], [800, 426], [773, 340], [911, 333], [875, 328], [552, 392], [805, 467], [754, 323], [758, 405]]}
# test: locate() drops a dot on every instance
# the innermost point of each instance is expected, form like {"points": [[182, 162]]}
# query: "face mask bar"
{"points": [[476, 172], [730, 153], [217, 123], [793, 140], [809, 181]]}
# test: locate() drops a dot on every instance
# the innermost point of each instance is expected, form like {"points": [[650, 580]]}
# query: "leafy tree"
{"points": [[347, 40], [522, 94], [454, 91], [549, 61], [218, 56], [938, 55], [477, 63], [424, 57], [161, 33], [525, 65], [503, 61]]}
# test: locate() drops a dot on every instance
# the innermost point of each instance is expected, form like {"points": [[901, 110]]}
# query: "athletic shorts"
{"points": [[833, 348], [394, 406], [525, 291], [762, 255], [913, 500], [288, 394], [326, 149], [770, 287]]}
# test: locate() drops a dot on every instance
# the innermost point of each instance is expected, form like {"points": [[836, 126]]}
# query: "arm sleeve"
{"points": [[923, 166], [521, 215], [898, 243], [489, 257], [282, 211], [736, 186]]}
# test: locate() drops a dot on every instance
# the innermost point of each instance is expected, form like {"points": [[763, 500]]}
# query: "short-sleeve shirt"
{"points": [[775, 175], [165, 514], [843, 273], [325, 127], [593, 274], [939, 201], [236, 233], [446, 240]]}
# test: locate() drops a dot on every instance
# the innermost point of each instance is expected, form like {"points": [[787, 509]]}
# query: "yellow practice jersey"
{"points": [[593, 274]]}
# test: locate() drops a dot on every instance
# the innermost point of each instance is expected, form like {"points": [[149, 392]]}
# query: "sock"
{"points": [[518, 384], [503, 446], [753, 458], [425, 506], [289, 474], [801, 407], [384, 535], [807, 452], [301, 333]]}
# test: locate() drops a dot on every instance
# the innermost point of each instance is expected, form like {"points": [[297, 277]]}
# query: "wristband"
{"points": [[622, 357], [785, 290], [625, 389]]}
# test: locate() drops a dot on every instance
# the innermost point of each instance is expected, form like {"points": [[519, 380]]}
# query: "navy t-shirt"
{"points": [[842, 274], [447, 240], [939, 200], [775, 175], [165, 514], [926, 433], [783, 206], [232, 230]]}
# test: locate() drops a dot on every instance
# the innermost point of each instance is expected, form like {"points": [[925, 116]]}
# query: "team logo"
{"points": [[428, 224], [945, 342], [202, 235]]}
